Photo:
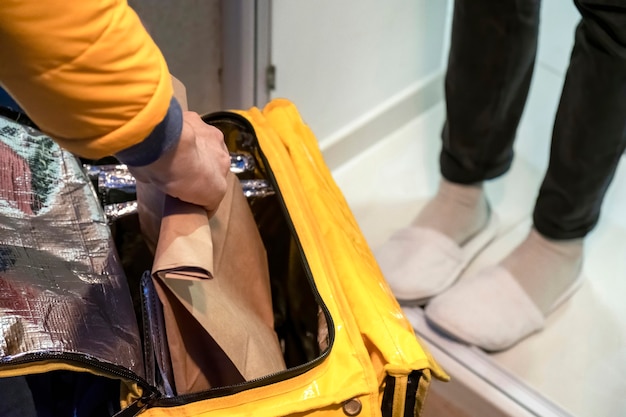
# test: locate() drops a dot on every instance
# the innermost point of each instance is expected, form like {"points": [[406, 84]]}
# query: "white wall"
{"points": [[338, 60]]}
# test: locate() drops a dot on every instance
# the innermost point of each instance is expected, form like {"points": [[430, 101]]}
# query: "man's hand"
{"points": [[195, 170]]}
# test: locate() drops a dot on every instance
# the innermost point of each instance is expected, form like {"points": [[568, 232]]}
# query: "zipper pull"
{"points": [[137, 406]]}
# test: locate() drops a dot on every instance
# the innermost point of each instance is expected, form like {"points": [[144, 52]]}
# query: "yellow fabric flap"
{"points": [[379, 317]]}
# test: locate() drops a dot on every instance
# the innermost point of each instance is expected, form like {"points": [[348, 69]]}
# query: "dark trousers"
{"points": [[492, 55]]}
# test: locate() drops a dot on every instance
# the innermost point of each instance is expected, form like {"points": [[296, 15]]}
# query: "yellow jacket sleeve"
{"points": [[86, 72]]}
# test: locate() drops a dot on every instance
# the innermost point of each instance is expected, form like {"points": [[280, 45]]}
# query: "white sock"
{"points": [[457, 210], [545, 268]]}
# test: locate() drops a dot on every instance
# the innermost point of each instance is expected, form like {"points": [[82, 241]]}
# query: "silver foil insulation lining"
{"points": [[116, 178], [62, 288]]}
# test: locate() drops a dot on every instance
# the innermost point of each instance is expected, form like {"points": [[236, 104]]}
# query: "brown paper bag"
{"points": [[212, 278]]}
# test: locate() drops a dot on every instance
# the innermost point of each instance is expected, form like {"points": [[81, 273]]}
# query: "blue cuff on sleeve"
{"points": [[7, 101], [163, 138]]}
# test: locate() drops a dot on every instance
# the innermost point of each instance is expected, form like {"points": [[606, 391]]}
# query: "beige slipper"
{"points": [[489, 310], [419, 263]]}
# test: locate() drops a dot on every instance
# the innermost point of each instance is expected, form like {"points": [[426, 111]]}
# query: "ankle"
{"points": [[458, 211], [545, 268]]}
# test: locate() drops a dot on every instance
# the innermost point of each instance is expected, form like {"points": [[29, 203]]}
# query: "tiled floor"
{"points": [[578, 362]]}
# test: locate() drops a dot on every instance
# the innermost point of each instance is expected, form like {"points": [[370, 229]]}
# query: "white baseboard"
{"points": [[376, 124]]}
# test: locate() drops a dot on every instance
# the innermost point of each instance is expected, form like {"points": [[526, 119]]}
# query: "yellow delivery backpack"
{"points": [[348, 348]]}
